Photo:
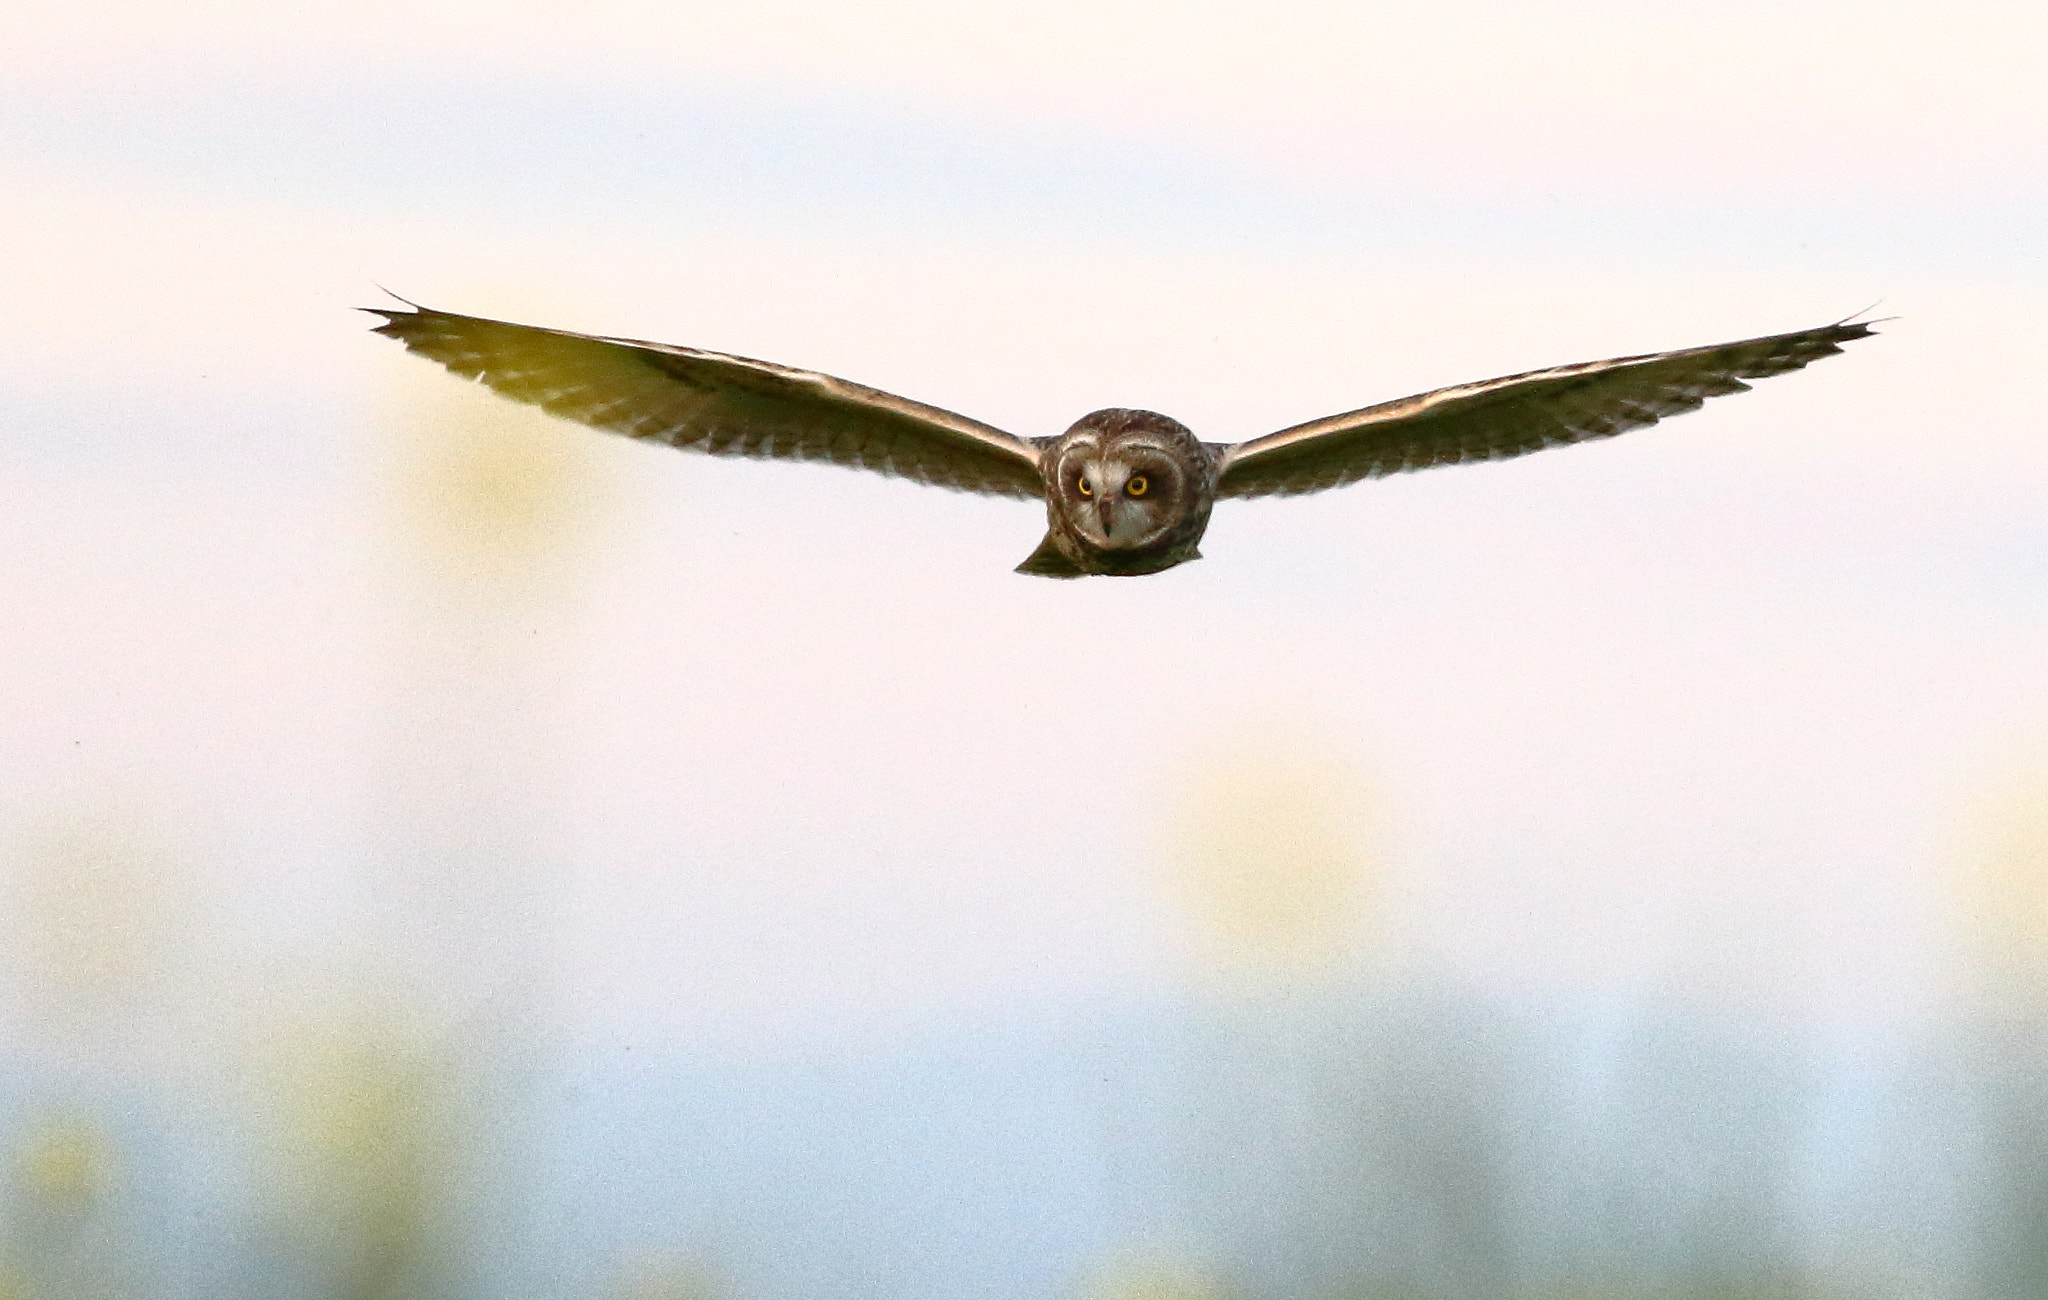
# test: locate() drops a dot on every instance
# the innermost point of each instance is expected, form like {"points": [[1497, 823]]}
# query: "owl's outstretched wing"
{"points": [[724, 405], [1498, 418]]}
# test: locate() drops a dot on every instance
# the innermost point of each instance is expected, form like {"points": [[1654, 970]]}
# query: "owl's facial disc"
{"points": [[1125, 480], [1117, 506]]}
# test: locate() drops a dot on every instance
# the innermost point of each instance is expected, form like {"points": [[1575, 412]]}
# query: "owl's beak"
{"points": [[1103, 505]]}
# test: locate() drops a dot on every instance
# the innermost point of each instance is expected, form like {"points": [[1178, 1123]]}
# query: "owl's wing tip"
{"points": [[1861, 324], [393, 315], [399, 296]]}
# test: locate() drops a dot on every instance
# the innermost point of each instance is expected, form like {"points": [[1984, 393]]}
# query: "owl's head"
{"points": [[1124, 480]]}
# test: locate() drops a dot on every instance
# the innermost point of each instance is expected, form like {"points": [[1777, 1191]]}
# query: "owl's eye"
{"points": [[1137, 485], [1081, 486]]}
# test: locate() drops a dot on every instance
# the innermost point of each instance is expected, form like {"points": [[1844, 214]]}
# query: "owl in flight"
{"points": [[1126, 491]]}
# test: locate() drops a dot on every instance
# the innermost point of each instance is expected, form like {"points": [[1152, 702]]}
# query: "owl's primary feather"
{"points": [[1513, 415], [724, 405], [1126, 491]]}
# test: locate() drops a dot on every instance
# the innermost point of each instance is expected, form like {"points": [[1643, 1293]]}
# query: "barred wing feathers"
{"points": [[1511, 416], [723, 405]]}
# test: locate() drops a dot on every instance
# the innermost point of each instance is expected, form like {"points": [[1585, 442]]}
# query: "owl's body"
{"points": [[1127, 492]]}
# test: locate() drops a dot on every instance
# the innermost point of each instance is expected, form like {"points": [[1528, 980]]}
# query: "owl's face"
{"points": [[1127, 480]]}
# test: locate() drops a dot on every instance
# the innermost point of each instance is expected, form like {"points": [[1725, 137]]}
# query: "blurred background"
{"points": [[448, 854]]}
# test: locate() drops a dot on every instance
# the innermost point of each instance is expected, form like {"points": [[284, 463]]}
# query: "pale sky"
{"points": [[1706, 706]]}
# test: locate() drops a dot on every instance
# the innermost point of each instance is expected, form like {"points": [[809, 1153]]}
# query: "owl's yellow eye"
{"points": [[1081, 486], [1137, 485]]}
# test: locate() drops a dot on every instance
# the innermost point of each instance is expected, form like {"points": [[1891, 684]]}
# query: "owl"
{"points": [[1126, 492]]}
